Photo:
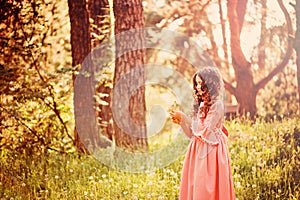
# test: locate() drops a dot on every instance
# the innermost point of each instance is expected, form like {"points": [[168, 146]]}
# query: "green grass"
{"points": [[263, 155]]}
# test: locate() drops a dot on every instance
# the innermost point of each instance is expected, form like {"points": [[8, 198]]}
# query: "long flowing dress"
{"points": [[206, 173]]}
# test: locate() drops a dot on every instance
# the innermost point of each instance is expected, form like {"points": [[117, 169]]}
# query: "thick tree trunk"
{"points": [[245, 91], [81, 47], [129, 120]]}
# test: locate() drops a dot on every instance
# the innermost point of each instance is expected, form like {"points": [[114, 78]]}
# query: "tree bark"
{"points": [[80, 47], [130, 122], [99, 12]]}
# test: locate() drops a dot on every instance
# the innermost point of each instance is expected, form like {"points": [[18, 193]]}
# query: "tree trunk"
{"points": [[129, 105], [81, 47], [225, 47], [99, 12], [262, 42], [297, 47], [244, 92]]}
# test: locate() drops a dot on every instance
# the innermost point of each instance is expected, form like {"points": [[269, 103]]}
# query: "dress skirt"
{"points": [[207, 177]]}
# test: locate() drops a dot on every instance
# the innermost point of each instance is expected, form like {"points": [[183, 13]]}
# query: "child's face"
{"points": [[199, 85]]}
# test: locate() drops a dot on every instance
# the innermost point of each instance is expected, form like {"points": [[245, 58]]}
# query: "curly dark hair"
{"points": [[212, 86]]}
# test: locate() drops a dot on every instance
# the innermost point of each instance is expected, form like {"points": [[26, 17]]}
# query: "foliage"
{"points": [[264, 164], [279, 98], [33, 115], [265, 159]]}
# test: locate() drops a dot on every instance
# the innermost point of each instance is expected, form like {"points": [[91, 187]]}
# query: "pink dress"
{"points": [[206, 173]]}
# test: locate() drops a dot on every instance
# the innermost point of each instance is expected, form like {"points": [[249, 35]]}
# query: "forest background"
{"points": [[49, 152]]}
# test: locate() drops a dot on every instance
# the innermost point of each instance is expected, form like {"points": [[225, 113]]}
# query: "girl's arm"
{"points": [[183, 120]]}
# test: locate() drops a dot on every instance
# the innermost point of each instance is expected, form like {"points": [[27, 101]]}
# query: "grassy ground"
{"points": [[265, 165]]}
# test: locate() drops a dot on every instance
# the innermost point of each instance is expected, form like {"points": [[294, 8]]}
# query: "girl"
{"points": [[206, 173]]}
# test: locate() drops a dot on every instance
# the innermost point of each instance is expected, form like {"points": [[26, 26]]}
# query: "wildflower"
{"points": [[236, 176], [85, 193], [150, 183], [46, 177], [238, 184], [176, 187], [104, 175], [56, 177], [253, 186], [135, 185], [91, 177], [152, 173], [175, 175]]}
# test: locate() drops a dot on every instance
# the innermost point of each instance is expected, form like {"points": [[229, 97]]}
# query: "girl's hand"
{"points": [[176, 116]]}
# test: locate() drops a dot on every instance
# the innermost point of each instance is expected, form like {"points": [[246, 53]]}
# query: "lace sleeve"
{"points": [[208, 128]]}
